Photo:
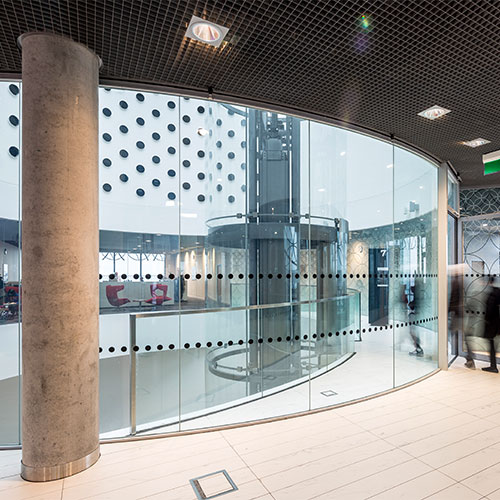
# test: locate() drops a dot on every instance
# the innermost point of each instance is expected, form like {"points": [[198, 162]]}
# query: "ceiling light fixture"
{"points": [[434, 112], [202, 131], [206, 32], [474, 143]]}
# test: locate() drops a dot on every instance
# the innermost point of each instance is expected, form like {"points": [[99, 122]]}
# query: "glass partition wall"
{"points": [[252, 264]]}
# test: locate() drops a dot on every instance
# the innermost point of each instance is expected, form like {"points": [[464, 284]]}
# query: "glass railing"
{"points": [[202, 367]]}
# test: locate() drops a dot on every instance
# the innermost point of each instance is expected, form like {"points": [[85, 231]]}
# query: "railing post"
{"points": [[133, 364]]}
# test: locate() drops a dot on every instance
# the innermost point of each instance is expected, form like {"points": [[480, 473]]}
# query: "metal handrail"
{"points": [[258, 214]]}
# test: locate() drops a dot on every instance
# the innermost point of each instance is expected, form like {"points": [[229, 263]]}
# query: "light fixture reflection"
{"points": [[202, 131]]}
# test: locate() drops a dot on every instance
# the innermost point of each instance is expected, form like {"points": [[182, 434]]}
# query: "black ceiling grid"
{"points": [[312, 55]]}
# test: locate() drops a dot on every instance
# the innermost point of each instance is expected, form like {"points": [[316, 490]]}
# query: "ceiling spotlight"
{"points": [[202, 131], [342, 153], [390, 165], [434, 112], [476, 142], [206, 32]]}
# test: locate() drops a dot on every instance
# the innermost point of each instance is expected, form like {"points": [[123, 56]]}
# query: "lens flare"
{"points": [[365, 22]]}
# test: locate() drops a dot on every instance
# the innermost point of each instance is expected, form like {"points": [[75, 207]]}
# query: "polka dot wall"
{"points": [[10, 156], [174, 160]]}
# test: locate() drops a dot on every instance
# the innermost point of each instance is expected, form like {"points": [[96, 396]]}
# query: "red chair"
{"points": [[156, 298], [112, 295]]}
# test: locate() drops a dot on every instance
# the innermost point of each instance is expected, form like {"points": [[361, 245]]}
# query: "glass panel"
{"points": [[351, 223], [10, 265], [481, 239], [139, 233], [453, 196], [415, 234]]}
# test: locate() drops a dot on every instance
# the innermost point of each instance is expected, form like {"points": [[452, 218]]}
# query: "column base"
{"points": [[42, 474]]}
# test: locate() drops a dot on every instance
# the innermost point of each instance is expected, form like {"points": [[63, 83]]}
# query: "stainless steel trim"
{"points": [[133, 375], [53, 472]]}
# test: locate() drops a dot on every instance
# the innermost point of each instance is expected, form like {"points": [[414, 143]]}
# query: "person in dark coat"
{"points": [[492, 323]]}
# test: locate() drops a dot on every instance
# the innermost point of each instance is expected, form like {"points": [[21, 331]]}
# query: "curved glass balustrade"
{"points": [[252, 264]]}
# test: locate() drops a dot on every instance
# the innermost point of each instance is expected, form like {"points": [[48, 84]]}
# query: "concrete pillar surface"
{"points": [[60, 295]]}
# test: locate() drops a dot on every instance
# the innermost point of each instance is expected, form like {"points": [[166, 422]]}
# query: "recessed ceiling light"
{"points": [[206, 32], [434, 112], [476, 142], [390, 165], [342, 153], [202, 131]]}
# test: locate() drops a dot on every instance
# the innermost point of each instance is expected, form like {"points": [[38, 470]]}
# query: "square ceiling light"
{"points": [[204, 31], [434, 112], [475, 142]]}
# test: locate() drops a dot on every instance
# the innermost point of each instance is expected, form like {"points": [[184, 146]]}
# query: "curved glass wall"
{"points": [[252, 264]]}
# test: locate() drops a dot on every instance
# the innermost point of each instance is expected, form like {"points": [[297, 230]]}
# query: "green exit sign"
{"points": [[491, 162]]}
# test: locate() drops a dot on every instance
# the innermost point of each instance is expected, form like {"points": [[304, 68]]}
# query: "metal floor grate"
{"points": [[213, 485]]}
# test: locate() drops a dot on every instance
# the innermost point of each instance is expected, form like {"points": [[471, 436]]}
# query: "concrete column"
{"points": [[60, 294], [443, 266]]}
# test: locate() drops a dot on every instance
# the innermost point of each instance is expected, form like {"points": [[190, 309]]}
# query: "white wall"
{"points": [[123, 210]]}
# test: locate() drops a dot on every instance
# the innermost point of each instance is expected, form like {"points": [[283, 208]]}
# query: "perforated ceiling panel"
{"points": [[370, 63]]}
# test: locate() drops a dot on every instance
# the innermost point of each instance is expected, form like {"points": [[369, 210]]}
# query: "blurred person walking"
{"points": [[492, 322]]}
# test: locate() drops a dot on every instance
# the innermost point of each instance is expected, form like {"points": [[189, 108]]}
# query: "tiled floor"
{"points": [[438, 439]]}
